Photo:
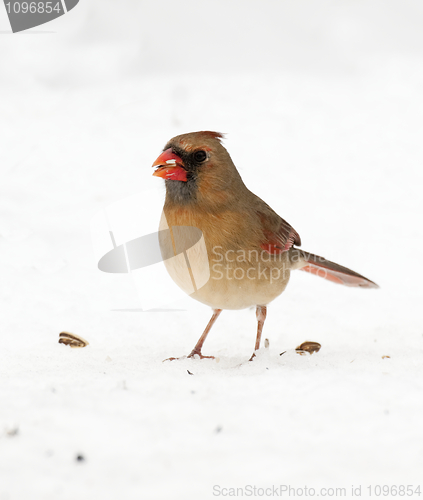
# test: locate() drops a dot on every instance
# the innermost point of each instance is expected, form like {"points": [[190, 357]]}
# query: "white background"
{"points": [[322, 105]]}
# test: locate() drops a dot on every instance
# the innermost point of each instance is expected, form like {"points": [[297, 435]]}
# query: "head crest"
{"points": [[211, 135]]}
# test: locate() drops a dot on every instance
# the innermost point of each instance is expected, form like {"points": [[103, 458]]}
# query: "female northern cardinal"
{"points": [[250, 249]]}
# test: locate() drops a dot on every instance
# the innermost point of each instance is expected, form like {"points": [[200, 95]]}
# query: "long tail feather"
{"points": [[333, 272]]}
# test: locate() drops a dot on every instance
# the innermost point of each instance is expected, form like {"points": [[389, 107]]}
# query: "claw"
{"points": [[173, 359]]}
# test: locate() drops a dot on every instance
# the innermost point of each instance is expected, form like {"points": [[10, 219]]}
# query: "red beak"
{"points": [[170, 166]]}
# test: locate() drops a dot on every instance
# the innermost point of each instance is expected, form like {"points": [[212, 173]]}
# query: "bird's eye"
{"points": [[200, 156]]}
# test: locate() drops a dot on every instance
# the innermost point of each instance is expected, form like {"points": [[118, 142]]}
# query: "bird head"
{"points": [[195, 166]]}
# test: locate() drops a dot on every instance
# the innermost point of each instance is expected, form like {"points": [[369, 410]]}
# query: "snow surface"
{"points": [[335, 147]]}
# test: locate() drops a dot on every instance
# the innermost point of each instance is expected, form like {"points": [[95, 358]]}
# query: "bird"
{"points": [[250, 250]]}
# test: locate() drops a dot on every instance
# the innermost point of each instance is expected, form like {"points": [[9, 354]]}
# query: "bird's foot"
{"points": [[252, 356], [192, 355], [195, 353]]}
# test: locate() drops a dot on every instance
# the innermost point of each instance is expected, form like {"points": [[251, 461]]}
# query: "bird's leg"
{"points": [[261, 312], [199, 344]]}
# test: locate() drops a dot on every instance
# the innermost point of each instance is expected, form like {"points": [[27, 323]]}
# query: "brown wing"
{"points": [[278, 235]]}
